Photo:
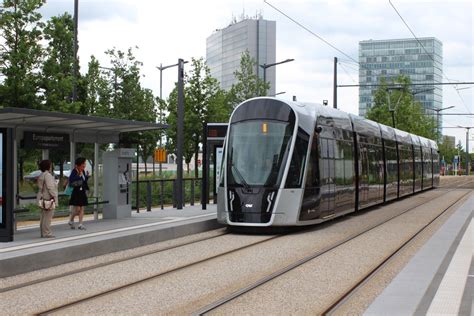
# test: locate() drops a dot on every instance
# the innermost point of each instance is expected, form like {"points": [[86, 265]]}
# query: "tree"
{"points": [[21, 53], [447, 151], [207, 100], [130, 100], [99, 94], [191, 120], [58, 67], [204, 102], [248, 84], [408, 112]]}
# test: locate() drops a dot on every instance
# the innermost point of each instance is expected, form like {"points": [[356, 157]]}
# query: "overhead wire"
{"points": [[348, 65], [347, 73], [309, 31], [351, 59], [429, 55]]}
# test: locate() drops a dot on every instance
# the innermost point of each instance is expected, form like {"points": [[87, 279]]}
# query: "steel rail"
{"points": [[207, 308], [364, 280], [160, 274], [103, 264]]}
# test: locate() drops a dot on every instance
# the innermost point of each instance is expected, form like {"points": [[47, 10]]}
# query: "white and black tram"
{"points": [[289, 163]]}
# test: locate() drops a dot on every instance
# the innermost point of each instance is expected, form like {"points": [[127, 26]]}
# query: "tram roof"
{"points": [[83, 128]]}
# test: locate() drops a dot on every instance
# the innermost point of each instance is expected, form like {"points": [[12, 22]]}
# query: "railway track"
{"points": [[339, 301], [156, 276], [104, 264]]}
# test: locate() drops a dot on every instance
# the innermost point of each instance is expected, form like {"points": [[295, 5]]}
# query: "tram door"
{"points": [[328, 179]]}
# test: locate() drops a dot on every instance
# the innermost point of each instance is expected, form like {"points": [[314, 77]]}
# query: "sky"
{"points": [[166, 30]]}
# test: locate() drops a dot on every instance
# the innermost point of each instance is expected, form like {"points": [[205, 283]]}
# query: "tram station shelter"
{"points": [[48, 130]]}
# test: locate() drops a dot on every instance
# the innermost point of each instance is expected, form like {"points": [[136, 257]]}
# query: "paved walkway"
{"points": [[438, 280]]}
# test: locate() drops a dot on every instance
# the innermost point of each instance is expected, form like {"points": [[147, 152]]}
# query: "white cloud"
{"points": [[167, 30]]}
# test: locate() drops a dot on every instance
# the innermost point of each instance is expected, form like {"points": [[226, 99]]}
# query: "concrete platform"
{"points": [[29, 252], [439, 279]]}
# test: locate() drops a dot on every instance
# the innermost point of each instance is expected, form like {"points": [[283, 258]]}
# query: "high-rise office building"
{"points": [[421, 60], [225, 47]]}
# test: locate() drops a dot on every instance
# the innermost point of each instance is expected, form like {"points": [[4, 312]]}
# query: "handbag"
{"points": [[68, 190], [46, 204]]}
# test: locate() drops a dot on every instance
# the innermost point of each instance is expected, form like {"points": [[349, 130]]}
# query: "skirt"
{"points": [[78, 197]]}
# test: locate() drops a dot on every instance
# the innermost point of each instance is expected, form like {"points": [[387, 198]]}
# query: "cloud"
{"points": [[167, 30], [89, 10]]}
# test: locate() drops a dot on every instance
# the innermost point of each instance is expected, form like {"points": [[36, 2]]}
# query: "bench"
{"points": [[61, 212], [17, 211]]}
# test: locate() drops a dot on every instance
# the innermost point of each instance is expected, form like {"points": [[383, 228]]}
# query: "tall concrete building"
{"points": [[391, 58], [225, 47]]}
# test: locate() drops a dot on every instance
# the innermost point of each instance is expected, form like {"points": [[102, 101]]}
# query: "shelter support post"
{"points": [[16, 181], [72, 153], [96, 178]]}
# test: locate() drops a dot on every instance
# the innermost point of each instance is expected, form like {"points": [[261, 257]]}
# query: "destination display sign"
{"points": [[35, 140], [215, 130]]}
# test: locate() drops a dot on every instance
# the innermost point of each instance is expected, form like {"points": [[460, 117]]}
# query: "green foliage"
{"points": [[99, 94], [447, 151], [57, 80], [248, 84], [21, 53], [204, 102], [409, 115], [120, 95]]}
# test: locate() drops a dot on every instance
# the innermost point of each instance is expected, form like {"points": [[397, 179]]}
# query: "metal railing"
{"points": [[150, 190], [161, 191]]}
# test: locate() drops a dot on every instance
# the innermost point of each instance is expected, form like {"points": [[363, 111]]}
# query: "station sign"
{"points": [[35, 140]]}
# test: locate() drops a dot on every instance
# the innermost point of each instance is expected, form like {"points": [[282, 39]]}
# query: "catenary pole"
{"points": [[180, 136], [335, 84]]}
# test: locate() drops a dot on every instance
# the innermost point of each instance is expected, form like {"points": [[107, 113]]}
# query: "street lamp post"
{"points": [[468, 165], [161, 68], [437, 120], [265, 66]]}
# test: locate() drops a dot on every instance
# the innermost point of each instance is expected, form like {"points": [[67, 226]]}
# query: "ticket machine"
{"points": [[117, 183]]}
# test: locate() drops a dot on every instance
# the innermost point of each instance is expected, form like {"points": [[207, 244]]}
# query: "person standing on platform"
{"points": [[47, 191], [78, 181]]}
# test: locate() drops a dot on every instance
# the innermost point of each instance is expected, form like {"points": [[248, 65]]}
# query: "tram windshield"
{"points": [[257, 153]]}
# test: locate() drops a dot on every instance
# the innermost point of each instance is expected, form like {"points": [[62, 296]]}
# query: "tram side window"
{"points": [[296, 170], [312, 174]]}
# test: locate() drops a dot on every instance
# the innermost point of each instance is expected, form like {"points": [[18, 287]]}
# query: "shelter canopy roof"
{"points": [[82, 128]]}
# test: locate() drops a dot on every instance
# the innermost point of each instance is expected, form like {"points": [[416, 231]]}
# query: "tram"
{"points": [[293, 164]]}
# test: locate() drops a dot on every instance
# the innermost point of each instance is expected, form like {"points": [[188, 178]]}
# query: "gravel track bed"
{"points": [[72, 266], [314, 286], [452, 181], [56, 292], [365, 295], [182, 292]]}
